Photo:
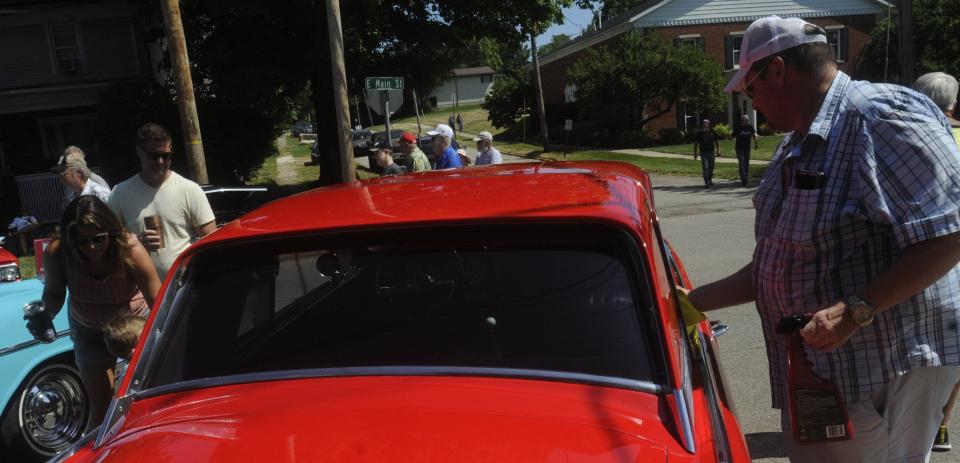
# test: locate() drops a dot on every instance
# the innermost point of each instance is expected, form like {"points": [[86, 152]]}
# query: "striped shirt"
{"points": [[877, 171]]}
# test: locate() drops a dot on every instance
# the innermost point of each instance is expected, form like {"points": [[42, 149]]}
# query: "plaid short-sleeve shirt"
{"points": [[877, 171]]}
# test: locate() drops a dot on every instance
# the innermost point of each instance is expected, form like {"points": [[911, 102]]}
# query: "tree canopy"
{"points": [[253, 61], [936, 46], [643, 78]]}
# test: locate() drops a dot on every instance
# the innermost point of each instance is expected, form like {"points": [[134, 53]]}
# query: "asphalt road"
{"points": [[712, 231]]}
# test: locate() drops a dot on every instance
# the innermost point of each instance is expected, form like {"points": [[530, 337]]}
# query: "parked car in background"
{"points": [[423, 317], [300, 127], [9, 265], [43, 403], [360, 142]]}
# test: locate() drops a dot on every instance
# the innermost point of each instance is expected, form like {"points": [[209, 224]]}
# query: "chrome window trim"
{"points": [[686, 421], [512, 373], [721, 447], [29, 344]]}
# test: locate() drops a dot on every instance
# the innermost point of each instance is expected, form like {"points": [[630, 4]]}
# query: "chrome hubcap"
{"points": [[53, 410]]}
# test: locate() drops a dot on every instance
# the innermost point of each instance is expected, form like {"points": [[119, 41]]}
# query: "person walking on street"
{"points": [[744, 135], [858, 223], [460, 122], [451, 122], [942, 89], [76, 178], [416, 160], [447, 156], [708, 144], [486, 153], [159, 194], [108, 274]]}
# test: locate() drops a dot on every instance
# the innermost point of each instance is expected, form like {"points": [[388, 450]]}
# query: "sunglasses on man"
{"points": [[156, 155], [98, 239]]}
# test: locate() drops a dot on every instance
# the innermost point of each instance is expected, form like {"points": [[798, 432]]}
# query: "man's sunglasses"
{"points": [[156, 155], [98, 239]]}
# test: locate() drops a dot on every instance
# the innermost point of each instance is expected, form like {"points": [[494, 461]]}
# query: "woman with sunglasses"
{"points": [[108, 273]]}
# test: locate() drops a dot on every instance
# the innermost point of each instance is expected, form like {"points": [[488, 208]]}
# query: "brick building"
{"points": [[716, 27]]}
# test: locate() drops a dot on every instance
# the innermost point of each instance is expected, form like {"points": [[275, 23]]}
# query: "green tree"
{"points": [[556, 42], [511, 84], [936, 46], [643, 78], [609, 8]]}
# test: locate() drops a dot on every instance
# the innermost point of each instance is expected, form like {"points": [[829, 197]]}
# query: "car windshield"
{"points": [[563, 299]]}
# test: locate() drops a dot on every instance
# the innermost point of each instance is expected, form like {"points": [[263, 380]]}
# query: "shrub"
{"points": [[723, 131], [631, 139], [672, 136]]}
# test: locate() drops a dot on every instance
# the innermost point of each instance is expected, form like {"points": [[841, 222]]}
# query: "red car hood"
{"points": [[380, 419]]}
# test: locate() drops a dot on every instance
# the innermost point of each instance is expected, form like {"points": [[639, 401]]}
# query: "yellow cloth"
{"points": [[956, 134], [691, 316]]}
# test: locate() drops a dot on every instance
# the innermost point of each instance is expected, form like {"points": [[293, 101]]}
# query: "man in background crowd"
{"points": [[486, 153], [76, 178], [416, 160], [447, 157]]}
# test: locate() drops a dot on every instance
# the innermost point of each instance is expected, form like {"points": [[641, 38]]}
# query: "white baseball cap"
{"points": [[771, 35], [486, 136], [442, 129]]}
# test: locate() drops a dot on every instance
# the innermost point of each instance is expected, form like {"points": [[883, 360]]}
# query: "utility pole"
{"points": [[905, 37], [341, 102], [536, 81], [186, 105]]}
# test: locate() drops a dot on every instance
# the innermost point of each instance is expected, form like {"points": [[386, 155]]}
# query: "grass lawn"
{"points": [[765, 152], [28, 267], [665, 166]]}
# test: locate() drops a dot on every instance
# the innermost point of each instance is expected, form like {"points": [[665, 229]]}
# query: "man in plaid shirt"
{"points": [[858, 222]]}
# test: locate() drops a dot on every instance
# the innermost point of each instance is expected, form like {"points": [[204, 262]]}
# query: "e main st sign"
{"points": [[384, 83]]}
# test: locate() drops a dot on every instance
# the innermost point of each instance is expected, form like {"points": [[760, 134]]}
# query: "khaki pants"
{"points": [[897, 424]]}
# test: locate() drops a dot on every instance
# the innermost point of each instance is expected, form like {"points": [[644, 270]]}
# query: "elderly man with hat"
{"points": [[447, 157], [416, 160], [75, 176], [858, 224], [486, 153]]}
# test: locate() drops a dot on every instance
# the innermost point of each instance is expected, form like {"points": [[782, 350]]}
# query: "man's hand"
{"points": [[150, 240], [829, 328]]}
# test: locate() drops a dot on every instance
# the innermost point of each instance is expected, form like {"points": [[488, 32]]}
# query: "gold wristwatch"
{"points": [[861, 312]]}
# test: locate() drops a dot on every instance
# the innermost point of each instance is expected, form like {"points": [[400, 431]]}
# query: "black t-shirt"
{"points": [[706, 140], [744, 135]]}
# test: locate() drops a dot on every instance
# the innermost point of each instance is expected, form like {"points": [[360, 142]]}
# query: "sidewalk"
{"points": [[730, 158]]}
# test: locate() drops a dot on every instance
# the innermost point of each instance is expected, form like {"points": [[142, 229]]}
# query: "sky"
{"points": [[574, 19]]}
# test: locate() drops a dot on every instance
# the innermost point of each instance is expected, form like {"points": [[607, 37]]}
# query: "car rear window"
{"points": [[561, 298]]}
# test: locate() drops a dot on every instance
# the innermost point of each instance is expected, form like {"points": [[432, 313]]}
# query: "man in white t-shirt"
{"points": [[183, 209]]}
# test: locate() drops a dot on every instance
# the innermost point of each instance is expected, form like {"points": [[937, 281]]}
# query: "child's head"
{"points": [[121, 334]]}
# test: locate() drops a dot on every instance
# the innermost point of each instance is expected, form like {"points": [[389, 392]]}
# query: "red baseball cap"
{"points": [[408, 137]]}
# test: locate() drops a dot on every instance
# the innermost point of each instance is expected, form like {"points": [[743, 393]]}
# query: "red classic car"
{"points": [[519, 312]]}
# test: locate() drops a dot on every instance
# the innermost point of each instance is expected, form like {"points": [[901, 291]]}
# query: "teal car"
{"points": [[45, 407]]}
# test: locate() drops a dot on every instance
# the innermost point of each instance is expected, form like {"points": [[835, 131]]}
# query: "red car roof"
{"points": [[604, 191]]}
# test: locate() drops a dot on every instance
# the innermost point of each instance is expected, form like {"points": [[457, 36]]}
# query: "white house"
{"points": [[468, 85]]}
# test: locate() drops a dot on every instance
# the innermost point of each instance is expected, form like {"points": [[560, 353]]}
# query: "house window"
{"points": [[692, 41], [838, 39], [486, 78], [736, 42], [66, 47]]}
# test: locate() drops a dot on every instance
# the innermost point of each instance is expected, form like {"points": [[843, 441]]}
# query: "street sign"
{"points": [[375, 100], [384, 83]]}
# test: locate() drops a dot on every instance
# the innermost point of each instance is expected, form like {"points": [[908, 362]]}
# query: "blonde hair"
{"points": [[121, 334]]}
